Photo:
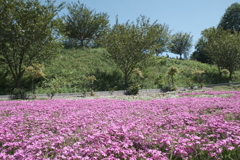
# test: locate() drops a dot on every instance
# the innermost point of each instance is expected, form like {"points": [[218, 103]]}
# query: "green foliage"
{"points": [[223, 48], [190, 82], [5, 82], [138, 72], [130, 44], [199, 77], [72, 66], [28, 32], [231, 20], [36, 72], [109, 78], [133, 89], [180, 44], [160, 81], [84, 25], [163, 41], [186, 67], [225, 72], [172, 71], [169, 83], [52, 87], [200, 54], [19, 93], [236, 77], [91, 80]]}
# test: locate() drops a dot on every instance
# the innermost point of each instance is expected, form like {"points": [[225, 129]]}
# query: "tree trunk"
{"points": [[81, 42], [180, 56], [230, 76], [126, 80], [33, 87], [17, 83], [18, 79], [172, 80], [220, 77]]}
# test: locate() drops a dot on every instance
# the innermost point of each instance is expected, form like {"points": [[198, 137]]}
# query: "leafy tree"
{"points": [[180, 43], [200, 53], [131, 43], [223, 48], [163, 40], [231, 18], [229, 21], [84, 25], [27, 34]]}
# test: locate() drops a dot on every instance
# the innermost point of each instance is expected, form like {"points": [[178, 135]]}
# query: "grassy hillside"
{"points": [[71, 67], [70, 71]]}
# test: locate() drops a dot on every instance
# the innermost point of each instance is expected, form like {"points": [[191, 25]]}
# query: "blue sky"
{"points": [[191, 16]]}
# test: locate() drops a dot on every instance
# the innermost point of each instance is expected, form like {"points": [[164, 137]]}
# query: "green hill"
{"points": [[70, 70], [71, 67]]}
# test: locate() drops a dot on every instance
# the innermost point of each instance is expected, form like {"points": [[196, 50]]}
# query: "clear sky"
{"points": [[191, 16]]}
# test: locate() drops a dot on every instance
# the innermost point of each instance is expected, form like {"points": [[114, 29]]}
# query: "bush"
{"points": [[52, 87], [167, 88], [19, 93], [133, 89], [159, 81]]}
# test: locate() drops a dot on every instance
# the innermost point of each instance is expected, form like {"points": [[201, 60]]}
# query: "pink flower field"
{"points": [[174, 128]]}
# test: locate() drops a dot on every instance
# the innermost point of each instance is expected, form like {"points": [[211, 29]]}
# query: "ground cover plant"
{"points": [[171, 128]]}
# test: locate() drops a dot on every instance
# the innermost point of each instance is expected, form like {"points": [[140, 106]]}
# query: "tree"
{"points": [[84, 25], [231, 18], [223, 48], [131, 43], [27, 34], [180, 43], [163, 40], [200, 53]]}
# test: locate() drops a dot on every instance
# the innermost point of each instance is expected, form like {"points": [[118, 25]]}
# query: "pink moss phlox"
{"points": [[118, 129]]}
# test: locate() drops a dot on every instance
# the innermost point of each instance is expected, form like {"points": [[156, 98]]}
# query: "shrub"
{"points": [[159, 81], [91, 80], [225, 72], [166, 88], [52, 87], [19, 93], [133, 89], [169, 80], [199, 77]]}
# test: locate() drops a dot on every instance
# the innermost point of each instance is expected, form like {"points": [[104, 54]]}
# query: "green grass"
{"points": [[226, 88]]}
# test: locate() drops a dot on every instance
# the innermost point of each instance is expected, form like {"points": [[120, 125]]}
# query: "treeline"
{"points": [[32, 36]]}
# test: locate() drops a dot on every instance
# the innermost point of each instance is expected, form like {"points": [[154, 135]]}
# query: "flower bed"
{"points": [[184, 128]]}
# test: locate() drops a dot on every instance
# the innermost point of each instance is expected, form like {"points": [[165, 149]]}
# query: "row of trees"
{"points": [[85, 27], [129, 44], [30, 32]]}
